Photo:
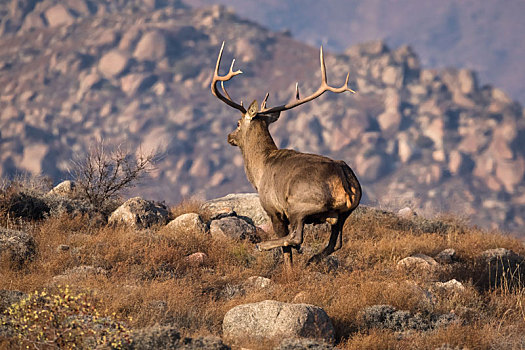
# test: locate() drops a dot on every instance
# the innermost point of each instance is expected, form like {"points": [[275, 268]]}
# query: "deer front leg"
{"points": [[293, 239], [280, 227]]}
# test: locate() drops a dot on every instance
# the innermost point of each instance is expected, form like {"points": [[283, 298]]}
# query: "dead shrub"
{"points": [[104, 172]]}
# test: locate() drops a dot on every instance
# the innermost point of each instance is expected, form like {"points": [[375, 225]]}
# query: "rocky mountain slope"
{"points": [[138, 72]]}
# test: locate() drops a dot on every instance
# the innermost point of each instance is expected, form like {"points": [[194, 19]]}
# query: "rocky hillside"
{"points": [[481, 35], [190, 277], [138, 72]]}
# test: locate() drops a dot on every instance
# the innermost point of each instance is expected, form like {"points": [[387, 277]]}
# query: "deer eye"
{"points": [[238, 123]]}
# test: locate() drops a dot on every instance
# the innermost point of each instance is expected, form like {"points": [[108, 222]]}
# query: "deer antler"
{"points": [[216, 78], [299, 101]]}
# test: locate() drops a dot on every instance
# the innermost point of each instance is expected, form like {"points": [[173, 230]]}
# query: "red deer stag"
{"points": [[294, 188]]}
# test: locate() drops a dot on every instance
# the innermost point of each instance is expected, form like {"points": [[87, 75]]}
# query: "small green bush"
{"points": [[63, 320]]}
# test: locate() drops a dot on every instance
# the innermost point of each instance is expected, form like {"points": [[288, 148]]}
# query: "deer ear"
{"points": [[252, 110], [272, 117]]}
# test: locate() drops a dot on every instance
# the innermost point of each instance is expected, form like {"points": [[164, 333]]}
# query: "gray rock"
{"points": [[501, 266], [203, 343], [113, 63], [406, 213], [137, 82], [387, 317], [155, 337], [244, 204], [190, 222], [269, 322], [451, 286], [166, 337], [300, 344], [258, 283], [418, 261], [152, 46], [459, 163], [197, 259], [233, 227], [63, 248], [389, 122], [58, 15], [65, 188], [374, 167], [393, 76], [18, 245], [468, 82], [139, 213], [446, 256], [510, 173]]}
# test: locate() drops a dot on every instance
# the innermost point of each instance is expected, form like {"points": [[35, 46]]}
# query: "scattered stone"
{"points": [[197, 259], [258, 283], [510, 173], [418, 261], [389, 122], [63, 248], [373, 168], [501, 265], [243, 204], [166, 337], [451, 286], [113, 63], [233, 227], [140, 213], [501, 254], [151, 47], [65, 188], [58, 15], [300, 344], [406, 213], [270, 321], [387, 317], [18, 245], [393, 76], [134, 83], [446, 256], [79, 272], [189, 223], [90, 81]]}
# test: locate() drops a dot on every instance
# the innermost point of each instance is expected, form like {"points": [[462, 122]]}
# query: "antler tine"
{"points": [[321, 90], [224, 90], [323, 68], [217, 77], [263, 103]]}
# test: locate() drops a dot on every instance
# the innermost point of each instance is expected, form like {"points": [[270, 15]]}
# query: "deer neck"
{"points": [[257, 146]]}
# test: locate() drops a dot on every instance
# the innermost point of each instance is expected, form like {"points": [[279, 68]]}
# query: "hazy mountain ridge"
{"points": [[482, 35], [139, 72]]}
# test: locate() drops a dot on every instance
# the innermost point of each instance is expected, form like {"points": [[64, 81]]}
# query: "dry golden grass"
{"points": [[146, 278]]}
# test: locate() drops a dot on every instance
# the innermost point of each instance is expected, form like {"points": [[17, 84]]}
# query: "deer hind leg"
{"points": [[336, 239]]}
